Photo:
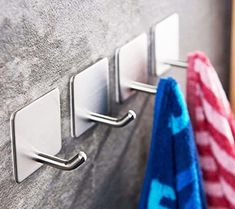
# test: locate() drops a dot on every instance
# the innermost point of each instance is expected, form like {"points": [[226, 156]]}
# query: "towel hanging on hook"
{"points": [[172, 178]]}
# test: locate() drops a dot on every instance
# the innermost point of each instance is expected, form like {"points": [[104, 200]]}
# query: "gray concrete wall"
{"points": [[43, 43]]}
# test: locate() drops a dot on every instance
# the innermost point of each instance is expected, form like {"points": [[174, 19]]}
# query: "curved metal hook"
{"points": [[115, 122], [143, 87], [62, 164]]}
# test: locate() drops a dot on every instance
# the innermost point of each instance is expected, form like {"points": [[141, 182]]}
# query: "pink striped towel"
{"points": [[214, 128]]}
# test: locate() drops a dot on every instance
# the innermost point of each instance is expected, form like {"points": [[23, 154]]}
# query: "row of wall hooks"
{"points": [[36, 128]]}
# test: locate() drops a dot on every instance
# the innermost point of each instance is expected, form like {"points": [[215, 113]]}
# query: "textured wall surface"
{"points": [[43, 43]]}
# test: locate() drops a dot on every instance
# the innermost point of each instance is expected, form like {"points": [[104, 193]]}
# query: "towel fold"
{"points": [[172, 178], [213, 124]]}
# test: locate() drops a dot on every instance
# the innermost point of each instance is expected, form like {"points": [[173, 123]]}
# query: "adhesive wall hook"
{"points": [[36, 137], [90, 100], [131, 67], [165, 45]]}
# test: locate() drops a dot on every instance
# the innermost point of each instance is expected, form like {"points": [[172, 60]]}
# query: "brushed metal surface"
{"points": [[131, 65], [35, 128], [165, 43], [111, 121], [142, 87], [89, 94]]}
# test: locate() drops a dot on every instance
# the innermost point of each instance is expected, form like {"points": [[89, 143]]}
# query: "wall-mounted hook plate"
{"points": [[89, 94], [131, 66], [165, 44], [35, 128]]}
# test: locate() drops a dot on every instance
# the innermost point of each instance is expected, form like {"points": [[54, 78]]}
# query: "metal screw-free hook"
{"points": [[143, 87], [115, 122], [176, 63], [62, 164]]}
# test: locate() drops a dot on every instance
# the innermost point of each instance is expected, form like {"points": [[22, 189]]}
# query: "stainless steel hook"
{"points": [[131, 69], [62, 164], [115, 122], [165, 45], [36, 137], [90, 100], [143, 87]]}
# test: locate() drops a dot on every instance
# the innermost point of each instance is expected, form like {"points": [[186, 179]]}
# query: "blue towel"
{"points": [[173, 178]]}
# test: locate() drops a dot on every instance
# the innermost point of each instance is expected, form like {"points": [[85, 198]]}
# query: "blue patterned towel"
{"points": [[173, 178]]}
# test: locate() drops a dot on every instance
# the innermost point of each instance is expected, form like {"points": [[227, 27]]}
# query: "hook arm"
{"points": [[176, 63], [62, 164], [115, 122], [143, 87]]}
